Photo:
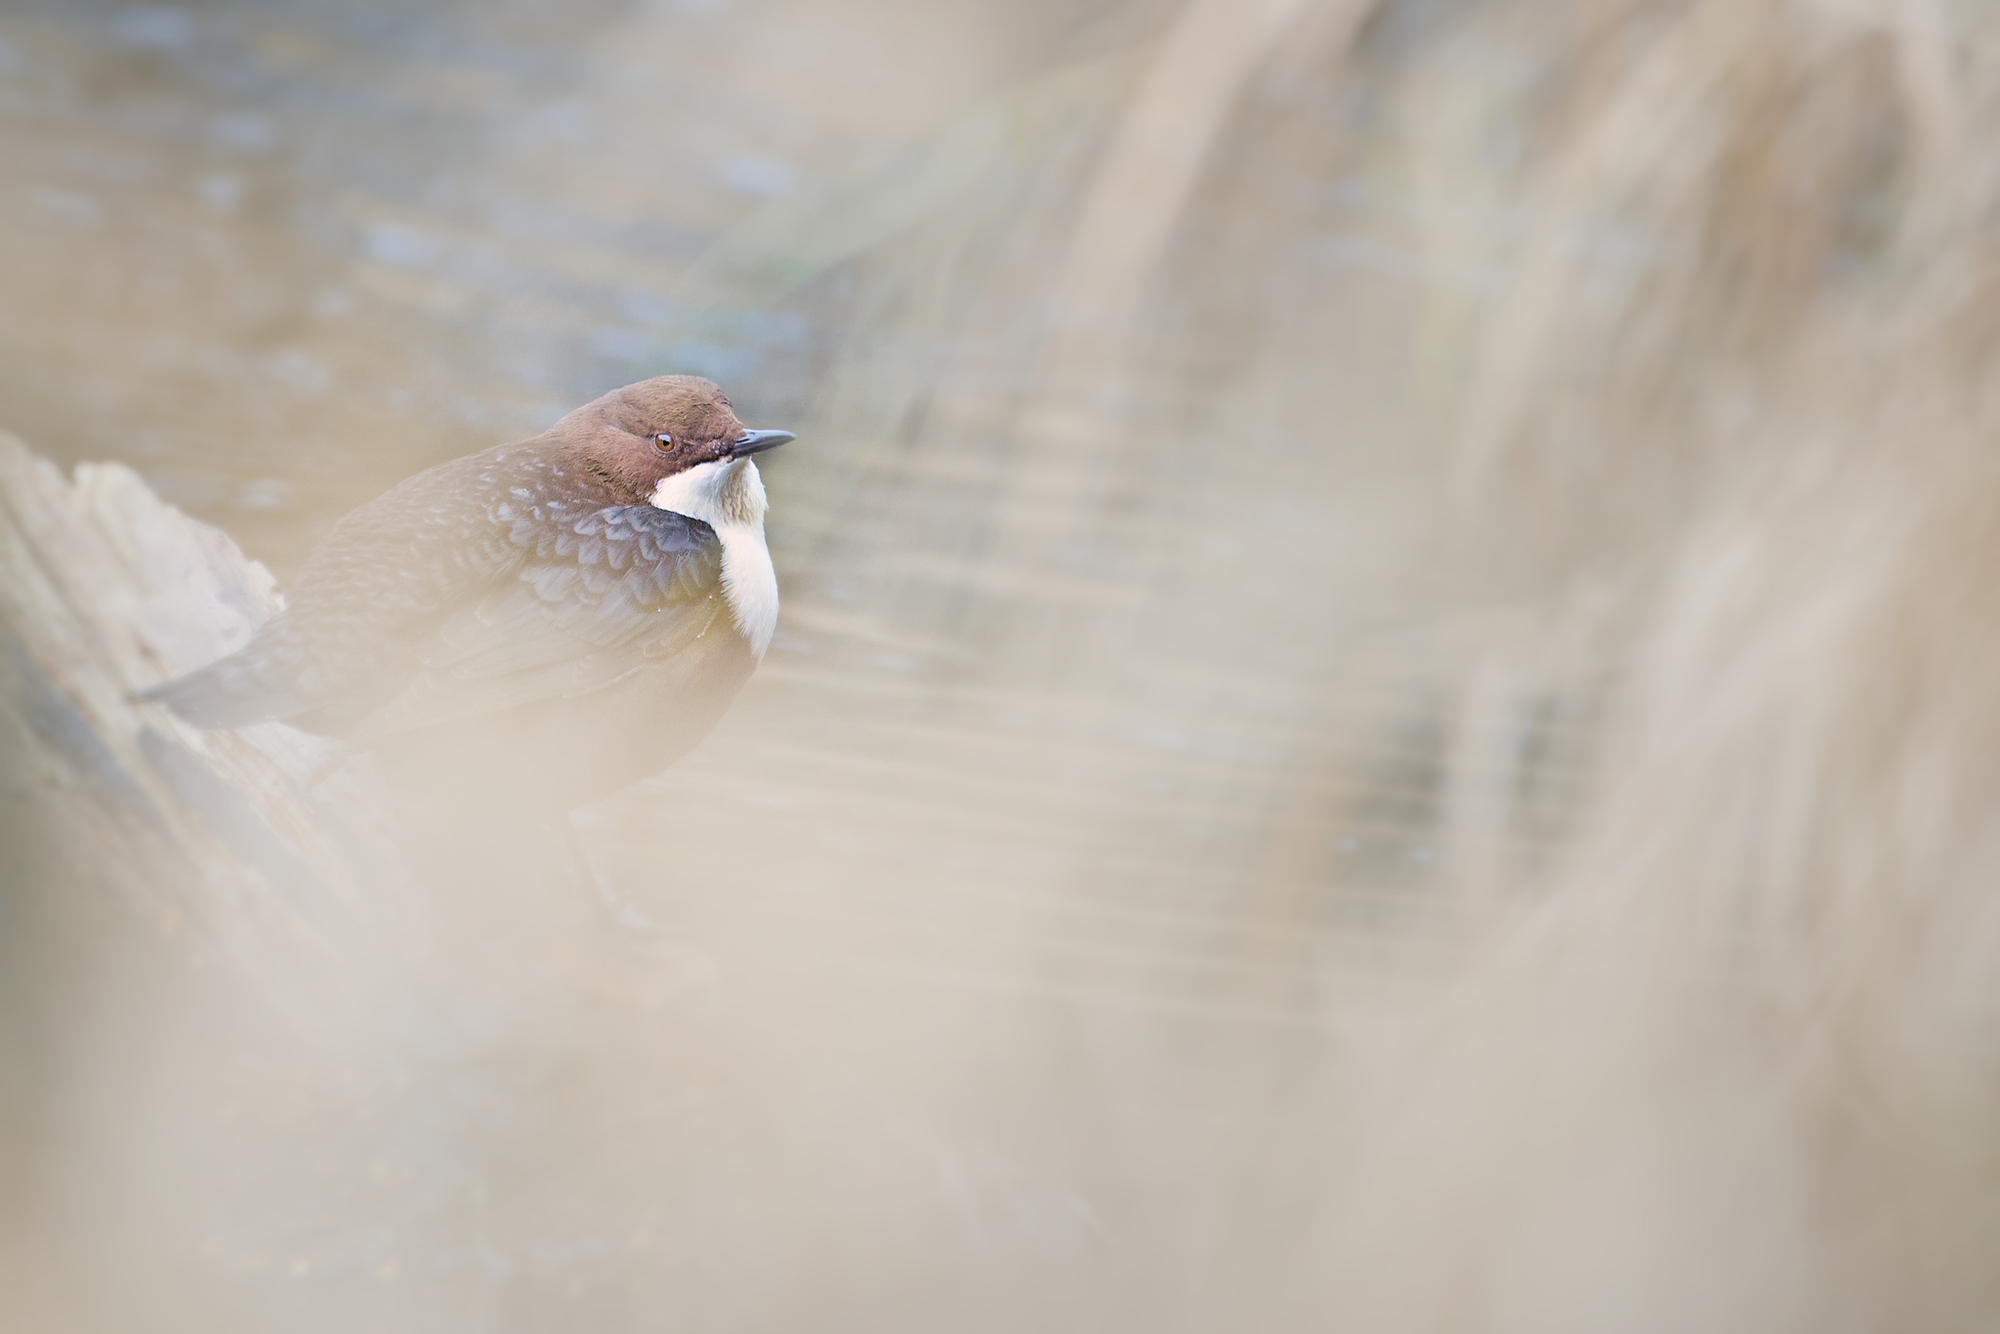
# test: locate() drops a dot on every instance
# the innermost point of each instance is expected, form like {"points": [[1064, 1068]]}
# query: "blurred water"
{"points": [[1248, 455], [992, 962], [280, 256]]}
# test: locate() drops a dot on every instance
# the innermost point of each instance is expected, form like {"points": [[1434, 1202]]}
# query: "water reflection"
{"points": [[1254, 461], [279, 257]]}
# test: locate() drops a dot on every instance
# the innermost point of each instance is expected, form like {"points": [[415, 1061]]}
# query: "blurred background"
{"points": [[1384, 716]]}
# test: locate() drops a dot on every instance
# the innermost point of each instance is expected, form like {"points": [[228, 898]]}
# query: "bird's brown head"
{"points": [[635, 436]]}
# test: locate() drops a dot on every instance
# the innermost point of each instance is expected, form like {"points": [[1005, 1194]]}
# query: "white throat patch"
{"points": [[728, 496]]}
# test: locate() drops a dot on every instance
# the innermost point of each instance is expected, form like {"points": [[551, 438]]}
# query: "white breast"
{"points": [[728, 496], [750, 584]]}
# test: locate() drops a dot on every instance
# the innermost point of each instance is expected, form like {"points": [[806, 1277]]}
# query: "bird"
{"points": [[543, 622]]}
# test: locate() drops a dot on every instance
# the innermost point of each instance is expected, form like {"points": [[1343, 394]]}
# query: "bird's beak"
{"points": [[756, 442]]}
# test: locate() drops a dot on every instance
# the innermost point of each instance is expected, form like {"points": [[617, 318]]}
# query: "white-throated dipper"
{"points": [[562, 617]]}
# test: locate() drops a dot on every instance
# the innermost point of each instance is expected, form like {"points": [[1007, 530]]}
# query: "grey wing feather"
{"points": [[378, 584], [617, 590]]}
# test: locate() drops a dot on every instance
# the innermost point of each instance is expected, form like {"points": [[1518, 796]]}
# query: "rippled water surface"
{"points": [[1240, 447], [278, 257], [1004, 903]]}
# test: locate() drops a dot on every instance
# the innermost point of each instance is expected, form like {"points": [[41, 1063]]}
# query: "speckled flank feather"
{"points": [[347, 638]]}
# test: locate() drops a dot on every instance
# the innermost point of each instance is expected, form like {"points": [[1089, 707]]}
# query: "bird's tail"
{"points": [[229, 693]]}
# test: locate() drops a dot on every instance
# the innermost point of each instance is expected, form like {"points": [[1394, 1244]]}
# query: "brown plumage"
{"points": [[527, 603]]}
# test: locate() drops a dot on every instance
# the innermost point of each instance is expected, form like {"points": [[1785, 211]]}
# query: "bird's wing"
{"points": [[596, 598], [380, 584]]}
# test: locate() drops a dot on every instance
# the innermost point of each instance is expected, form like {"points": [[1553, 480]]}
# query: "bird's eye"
{"points": [[663, 442]]}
